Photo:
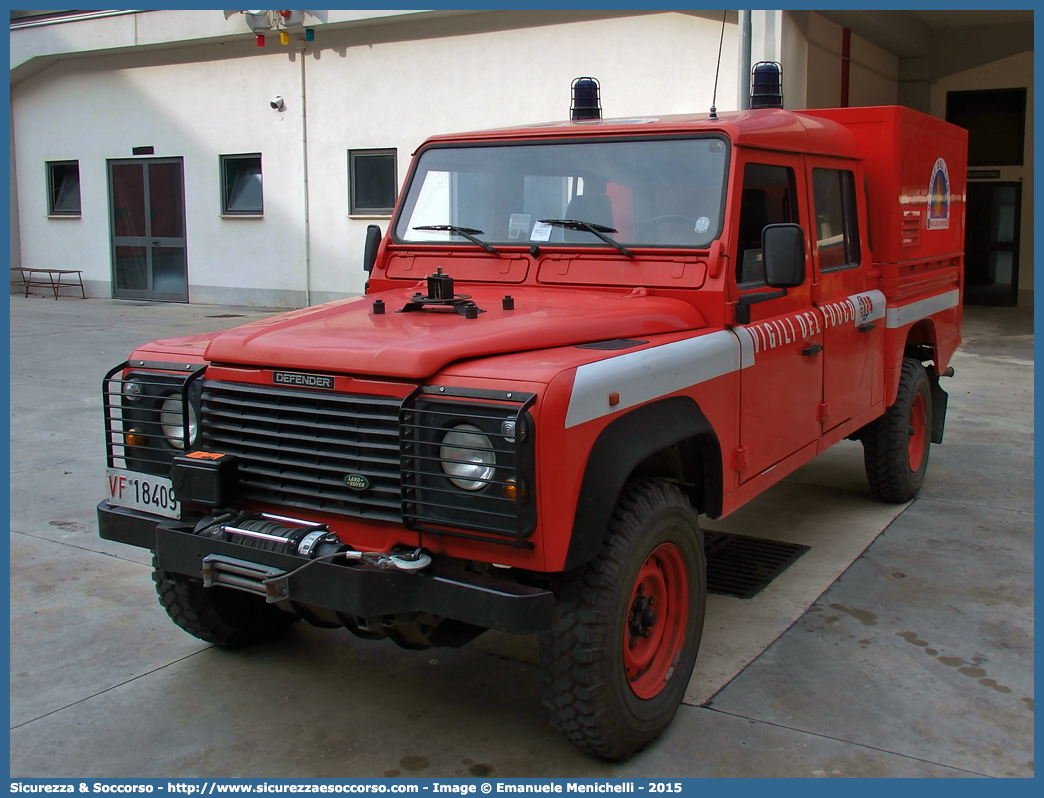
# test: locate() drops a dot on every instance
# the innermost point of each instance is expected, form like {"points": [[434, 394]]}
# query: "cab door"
{"points": [[852, 332], [781, 384]]}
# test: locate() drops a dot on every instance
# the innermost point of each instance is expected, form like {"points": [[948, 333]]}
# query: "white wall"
{"points": [[15, 243], [794, 45], [36, 44], [873, 77], [873, 74], [100, 109], [1008, 73], [379, 86]]}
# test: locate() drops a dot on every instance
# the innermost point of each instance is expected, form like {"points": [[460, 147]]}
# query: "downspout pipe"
{"points": [[744, 57], [304, 167], [846, 62]]}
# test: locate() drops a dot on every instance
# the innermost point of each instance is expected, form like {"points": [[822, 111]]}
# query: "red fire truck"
{"points": [[575, 338]]}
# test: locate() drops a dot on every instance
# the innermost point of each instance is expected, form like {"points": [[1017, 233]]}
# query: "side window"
{"points": [[769, 197], [63, 188], [241, 193], [836, 228], [372, 182]]}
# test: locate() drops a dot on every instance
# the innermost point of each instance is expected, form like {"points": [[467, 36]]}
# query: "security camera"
{"points": [[278, 104]]}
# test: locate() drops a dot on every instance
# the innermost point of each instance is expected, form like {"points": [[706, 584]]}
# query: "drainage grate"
{"points": [[741, 566]]}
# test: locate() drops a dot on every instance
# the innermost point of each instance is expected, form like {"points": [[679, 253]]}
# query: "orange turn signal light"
{"points": [[513, 491], [134, 438]]}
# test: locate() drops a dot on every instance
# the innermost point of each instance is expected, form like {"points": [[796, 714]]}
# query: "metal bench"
{"points": [[47, 278]]}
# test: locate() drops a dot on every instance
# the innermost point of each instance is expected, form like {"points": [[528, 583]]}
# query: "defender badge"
{"points": [[357, 482], [303, 380]]}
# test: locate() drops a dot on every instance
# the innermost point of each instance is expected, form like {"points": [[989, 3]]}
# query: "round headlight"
{"points": [[171, 421], [467, 457]]}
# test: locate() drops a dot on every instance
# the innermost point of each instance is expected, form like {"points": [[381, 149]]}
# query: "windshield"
{"points": [[653, 192]]}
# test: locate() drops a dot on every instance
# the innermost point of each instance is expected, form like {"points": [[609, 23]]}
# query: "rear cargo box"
{"points": [[916, 166]]}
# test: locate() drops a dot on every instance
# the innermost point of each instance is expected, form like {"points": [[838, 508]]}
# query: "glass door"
{"points": [[991, 243], [147, 215]]}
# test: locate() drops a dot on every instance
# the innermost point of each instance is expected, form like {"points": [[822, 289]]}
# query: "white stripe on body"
{"points": [[915, 311], [648, 374]]}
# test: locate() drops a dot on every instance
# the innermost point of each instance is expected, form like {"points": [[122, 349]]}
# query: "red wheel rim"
{"points": [[656, 617], [918, 432]]}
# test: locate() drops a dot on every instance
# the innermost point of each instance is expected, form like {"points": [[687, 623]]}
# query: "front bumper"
{"points": [[357, 589]]}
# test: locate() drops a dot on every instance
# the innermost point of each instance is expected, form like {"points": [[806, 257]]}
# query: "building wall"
{"points": [[873, 77], [16, 247], [812, 71], [794, 45], [1008, 73], [383, 86], [197, 111]]}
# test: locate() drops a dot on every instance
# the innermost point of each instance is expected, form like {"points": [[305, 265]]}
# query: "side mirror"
{"points": [[373, 240], [783, 250]]}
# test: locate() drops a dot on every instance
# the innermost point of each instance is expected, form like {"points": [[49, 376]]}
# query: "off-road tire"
{"points": [[218, 615], [895, 472], [586, 687]]}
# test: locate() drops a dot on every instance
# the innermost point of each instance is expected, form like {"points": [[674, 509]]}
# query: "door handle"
{"points": [[865, 328], [813, 349]]}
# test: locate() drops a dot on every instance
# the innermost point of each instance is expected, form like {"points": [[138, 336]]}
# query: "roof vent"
{"points": [[766, 85], [587, 101]]}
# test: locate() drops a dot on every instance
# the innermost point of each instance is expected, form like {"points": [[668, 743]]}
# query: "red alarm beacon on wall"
{"points": [[576, 338]]}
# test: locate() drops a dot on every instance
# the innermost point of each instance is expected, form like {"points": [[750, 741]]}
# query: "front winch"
{"points": [[305, 539], [264, 531]]}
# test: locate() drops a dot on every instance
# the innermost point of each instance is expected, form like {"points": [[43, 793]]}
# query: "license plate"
{"points": [[143, 492]]}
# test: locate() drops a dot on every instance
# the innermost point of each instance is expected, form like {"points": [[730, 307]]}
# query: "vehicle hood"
{"points": [[348, 337]]}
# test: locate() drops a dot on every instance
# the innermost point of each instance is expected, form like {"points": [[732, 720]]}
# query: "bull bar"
{"points": [[356, 589]]}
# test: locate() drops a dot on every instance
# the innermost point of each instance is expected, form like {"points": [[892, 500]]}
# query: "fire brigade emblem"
{"points": [[939, 197], [866, 308]]}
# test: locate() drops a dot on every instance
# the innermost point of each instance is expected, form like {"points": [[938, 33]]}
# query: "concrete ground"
{"points": [[901, 644]]}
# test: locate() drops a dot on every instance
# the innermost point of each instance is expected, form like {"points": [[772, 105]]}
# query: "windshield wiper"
{"points": [[597, 229], [465, 232]]}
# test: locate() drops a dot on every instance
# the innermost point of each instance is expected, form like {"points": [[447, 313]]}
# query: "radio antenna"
{"points": [[714, 97]]}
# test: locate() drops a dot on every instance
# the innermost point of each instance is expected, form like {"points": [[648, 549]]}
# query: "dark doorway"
{"points": [[147, 228], [991, 244], [996, 123]]}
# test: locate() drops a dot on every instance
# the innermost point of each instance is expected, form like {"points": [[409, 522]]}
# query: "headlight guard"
{"points": [[143, 428], [468, 463]]}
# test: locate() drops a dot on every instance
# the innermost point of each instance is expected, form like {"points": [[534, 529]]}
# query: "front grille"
{"points": [[297, 447]]}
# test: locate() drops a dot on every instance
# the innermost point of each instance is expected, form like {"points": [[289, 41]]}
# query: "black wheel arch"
{"points": [[669, 438]]}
